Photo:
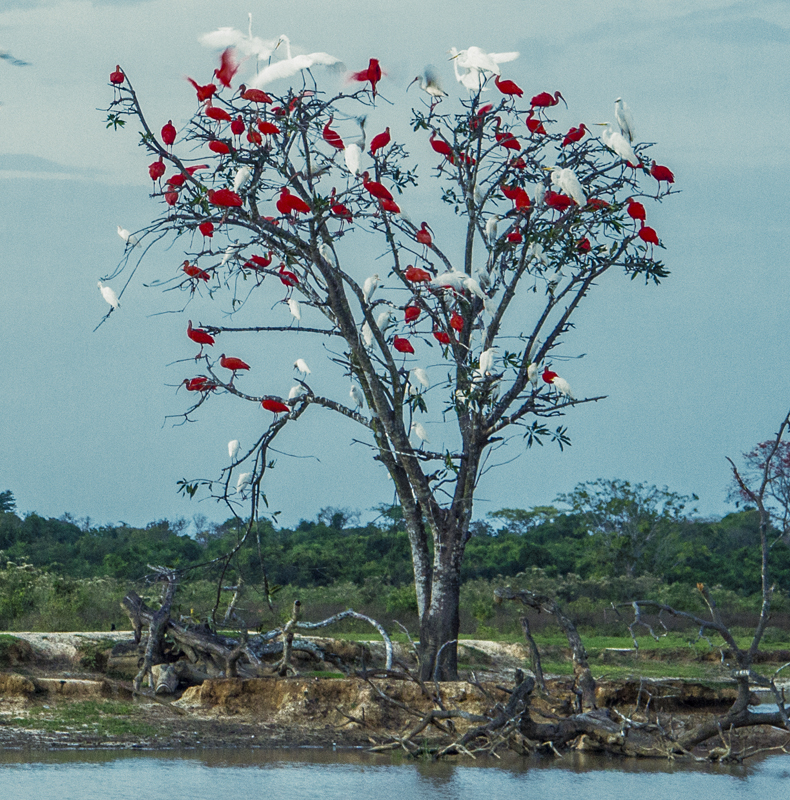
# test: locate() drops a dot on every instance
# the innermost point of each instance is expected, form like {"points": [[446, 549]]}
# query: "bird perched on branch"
{"points": [[109, 295]]}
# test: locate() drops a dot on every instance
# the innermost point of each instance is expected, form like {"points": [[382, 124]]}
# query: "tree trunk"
{"points": [[440, 624]]}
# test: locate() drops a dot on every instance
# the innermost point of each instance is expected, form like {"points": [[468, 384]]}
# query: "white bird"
{"points": [[245, 479], [411, 389], [243, 175], [532, 374], [296, 391], [422, 435], [326, 253], [486, 362], [290, 65], [568, 182], [492, 225], [422, 376], [355, 393], [301, 365], [129, 238], [535, 250], [233, 448], [474, 287], [296, 309], [622, 113], [384, 320], [370, 285], [352, 153], [229, 251], [367, 334], [563, 387], [477, 62], [247, 44], [452, 278], [109, 295], [540, 193], [615, 140], [430, 84]]}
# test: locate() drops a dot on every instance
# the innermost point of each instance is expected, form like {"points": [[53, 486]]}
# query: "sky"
{"points": [[694, 370]]}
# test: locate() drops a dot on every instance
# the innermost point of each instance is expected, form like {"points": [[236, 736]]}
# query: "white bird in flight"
{"points": [[233, 448], [301, 365], [430, 84], [290, 65], [109, 295], [476, 62], [129, 238]]}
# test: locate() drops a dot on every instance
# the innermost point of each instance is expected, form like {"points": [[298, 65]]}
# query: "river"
{"points": [[308, 774]]}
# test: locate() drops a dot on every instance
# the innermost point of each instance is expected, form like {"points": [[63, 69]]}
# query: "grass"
{"points": [[103, 719]]}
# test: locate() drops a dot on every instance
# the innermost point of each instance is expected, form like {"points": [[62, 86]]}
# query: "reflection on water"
{"points": [[307, 774]]}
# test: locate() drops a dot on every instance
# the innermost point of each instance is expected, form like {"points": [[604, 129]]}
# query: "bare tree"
{"points": [[446, 351]]}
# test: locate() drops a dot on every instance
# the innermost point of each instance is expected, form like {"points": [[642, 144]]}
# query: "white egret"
{"points": [[560, 384], [367, 334], [540, 193], [622, 113], [451, 279], [247, 44], [352, 153], [355, 393], [296, 309], [301, 365], [567, 181], [532, 374], [492, 225], [109, 295], [370, 285], [421, 433], [229, 251], [422, 376], [477, 62], [486, 361], [290, 65], [296, 391], [245, 479], [129, 238], [615, 140], [474, 287], [233, 448], [242, 178], [384, 320]]}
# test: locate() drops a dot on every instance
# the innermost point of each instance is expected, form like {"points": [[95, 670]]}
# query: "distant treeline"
{"points": [[332, 549]]}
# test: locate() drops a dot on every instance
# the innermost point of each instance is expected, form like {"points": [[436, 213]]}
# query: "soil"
{"points": [[73, 690]]}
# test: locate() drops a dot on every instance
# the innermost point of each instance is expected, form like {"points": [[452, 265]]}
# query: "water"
{"points": [[309, 775]]}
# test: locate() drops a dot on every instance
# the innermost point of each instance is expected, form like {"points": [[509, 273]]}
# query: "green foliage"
{"points": [[103, 718]]}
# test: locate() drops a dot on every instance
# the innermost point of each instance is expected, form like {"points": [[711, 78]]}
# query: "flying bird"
{"points": [[429, 82], [290, 65]]}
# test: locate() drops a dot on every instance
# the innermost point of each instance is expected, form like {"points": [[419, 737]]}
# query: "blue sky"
{"points": [[695, 370]]}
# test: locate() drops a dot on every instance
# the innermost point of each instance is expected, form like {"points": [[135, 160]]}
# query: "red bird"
{"points": [[199, 384], [441, 147], [515, 236], [518, 195], [560, 202], [176, 180], [442, 337], [217, 114], [424, 235], [193, 170], [506, 139], [372, 74], [546, 100], [379, 141], [199, 336], [259, 262], [169, 133], [207, 229], [647, 234], [218, 147], [596, 204], [549, 376], [375, 188], [233, 364], [253, 137], [194, 271], [457, 322], [289, 279], [226, 198], [203, 92], [237, 126], [332, 137], [402, 345], [636, 210], [390, 205], [171, 198], [275, 406], [254, 95], [661, 173], [508, 87], [416, 275], [156, 170], [575, 135], [117, 77], [339, 210], [411, 314], [535, 125], [228, 67], [289, 203], [267, 128]]}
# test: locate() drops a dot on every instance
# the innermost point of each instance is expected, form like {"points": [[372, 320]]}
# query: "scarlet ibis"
{"points": [[290, 65], [375, 188], [224, 198], [237, 127], [369, 286], [199, 384], [267, 128], [253, 137], [622, 114], [233, 364], [423, 235], [583, 245], [402, 345], [156, 170], [174, 181], [339, 210], [129, 238], [228, 67], [416, 275], [515, 236], [505, 138], [332, 137], [289, 204], [207, 229], [508, 87], [218, 147], [575, 135], [242, 178], [390, 205], [233, 448], [457, 322], [596, 203], [380, 140], [275, 406], [259, 262], [430, 84], [567, 181], [517, 194], [295, 308], [535, 125], [194, 271], [420, 431], [411, 314], [254, 95], [648, 234], [441, 336], [193, 170], [555, 200], [615, 140], [661, 173], [203, 92], [636, 210], [286, 277], [441, 146], [117, 77], [546, 100], [301, 365], [169, 133], [355, 393], [372, 75], [199, 336], [109, 295], [217, 114]]}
